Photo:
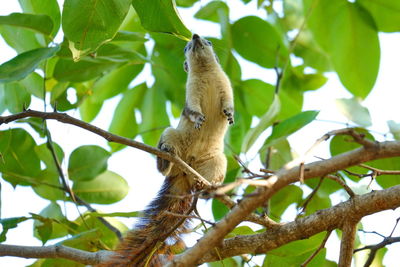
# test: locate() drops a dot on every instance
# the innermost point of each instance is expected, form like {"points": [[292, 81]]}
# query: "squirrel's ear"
{"points": [[185, 66]]}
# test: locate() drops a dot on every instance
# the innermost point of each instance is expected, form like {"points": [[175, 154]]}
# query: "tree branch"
{"points": [[323, 220], [349, 231], [282, 178], [55, 251], [65, 118], [301, 228]]}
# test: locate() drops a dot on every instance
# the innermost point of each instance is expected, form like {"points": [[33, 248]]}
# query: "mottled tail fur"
{"points": [[150, 243]]}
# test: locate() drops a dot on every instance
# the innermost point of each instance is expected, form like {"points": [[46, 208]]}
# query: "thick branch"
{"points": [[323, 220], [65, 118], [349, 231], [282, 178], [55, 251]]}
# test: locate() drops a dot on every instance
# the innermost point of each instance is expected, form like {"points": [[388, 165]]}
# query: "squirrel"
{"points": [[199, 141]]}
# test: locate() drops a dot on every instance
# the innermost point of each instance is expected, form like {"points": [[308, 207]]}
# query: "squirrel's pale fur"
{"points": [[199, 141]]}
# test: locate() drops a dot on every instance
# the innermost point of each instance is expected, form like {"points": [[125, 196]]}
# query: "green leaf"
{"points": [[258, 96], [89, 109], [265, 121], [280, 153], [124, 120], [106, 188], [258, 41], [14, 35], [394, 129], [299, 247], [387, 181], [272, 260], [34, 84], [45, 7], [89, 24], [294, 79], [219, 210], [114, 82], [228, 262], [185, 3], [39, 23], [15, 97], [45, 155], [10, 223], [311, 53], [240, 230], [291, 125], [52, 219], [48, 185], [354, 111], [67, 70], [326, 188], [292, 101], [20, 66], [161, 16], [18, 164], [215, 11], [154, 116], [126, 36], [349, 36], [86, 162], [170, 77], [340, 144], [386, 13], [285, 197], [86, 239]]}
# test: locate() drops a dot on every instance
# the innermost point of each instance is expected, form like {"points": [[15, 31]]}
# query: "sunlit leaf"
{"points": [[161, 16], [354, 111], [265, 121], [45, 7], [39, 23], [386, 13], [394, 129], [291, 125], [9, 223], [20, 66], [55, 218], [18, 164], [67, 70], [89, 24], [86, 162], [124, 120], [15, 97], [106, 188], [258, 41], [215, 11]]}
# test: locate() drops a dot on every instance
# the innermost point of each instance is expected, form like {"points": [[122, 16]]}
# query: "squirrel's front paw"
{"points": [[198, 120], [228, 112], [168, 148]]}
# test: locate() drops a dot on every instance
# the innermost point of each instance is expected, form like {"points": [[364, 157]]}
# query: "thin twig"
{"points": [[343, 184], [310, 196]]}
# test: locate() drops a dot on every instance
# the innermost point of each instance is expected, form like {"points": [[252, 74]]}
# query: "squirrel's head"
{"points": [[199, 54]]}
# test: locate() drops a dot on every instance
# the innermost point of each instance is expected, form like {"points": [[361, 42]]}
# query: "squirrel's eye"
{"points": [[208, 42]]}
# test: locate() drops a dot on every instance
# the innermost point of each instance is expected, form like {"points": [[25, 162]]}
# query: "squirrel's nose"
{"points": [[195, 36]]}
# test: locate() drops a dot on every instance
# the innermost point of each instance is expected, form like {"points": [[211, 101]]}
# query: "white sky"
{"points": [[138, 167]]}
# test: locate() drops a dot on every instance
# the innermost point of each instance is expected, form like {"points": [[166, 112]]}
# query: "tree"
{"points": [[104, 48]]}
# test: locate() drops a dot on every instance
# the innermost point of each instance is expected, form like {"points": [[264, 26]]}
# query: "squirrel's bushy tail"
{"points": [[158, 230]]}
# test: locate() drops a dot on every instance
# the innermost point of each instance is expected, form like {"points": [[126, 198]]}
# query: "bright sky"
{"points": [[138, 168]]}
